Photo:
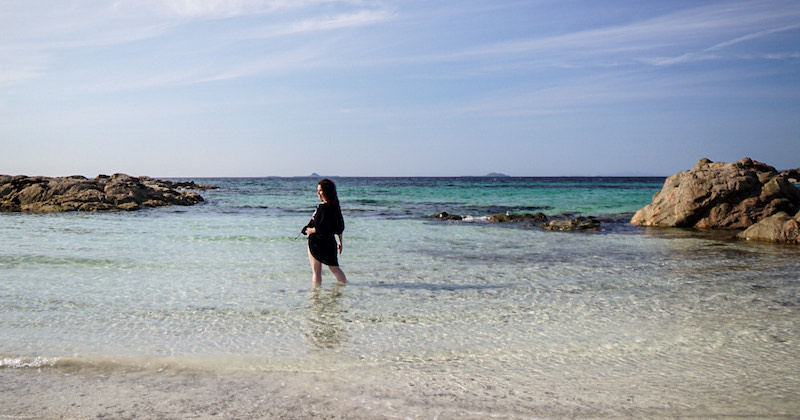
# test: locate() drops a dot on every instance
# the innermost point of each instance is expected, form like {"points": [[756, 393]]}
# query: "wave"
{"points": [[77, 363], [106, 364], [27, 362]]}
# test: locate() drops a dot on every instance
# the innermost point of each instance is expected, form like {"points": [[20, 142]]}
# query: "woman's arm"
{"points": [[341, 243]]}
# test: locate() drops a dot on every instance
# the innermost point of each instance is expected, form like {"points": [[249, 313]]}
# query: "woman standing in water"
{"points": [[325, 226]]}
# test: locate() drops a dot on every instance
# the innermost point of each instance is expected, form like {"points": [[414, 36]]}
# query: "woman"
{"points": [[326, 224]]}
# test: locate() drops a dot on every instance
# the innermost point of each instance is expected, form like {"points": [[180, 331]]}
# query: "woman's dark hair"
{"points": [[329, 191]]}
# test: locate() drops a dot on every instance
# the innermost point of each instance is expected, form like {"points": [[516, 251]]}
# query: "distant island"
{"points": [[496, 175]]}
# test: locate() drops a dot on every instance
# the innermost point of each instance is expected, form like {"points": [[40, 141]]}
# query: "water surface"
{"points": [[449, 319]]}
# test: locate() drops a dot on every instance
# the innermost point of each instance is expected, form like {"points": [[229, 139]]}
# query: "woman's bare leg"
{"points": [[338, 273], [316, 269]]}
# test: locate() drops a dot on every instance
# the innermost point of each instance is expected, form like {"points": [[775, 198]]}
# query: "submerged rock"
{"points": [[721, 195], [118, 192]]}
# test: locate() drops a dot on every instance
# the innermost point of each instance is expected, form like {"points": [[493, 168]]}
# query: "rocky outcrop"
{"points": [[516, 218], [721, 195], [578, 223], [77, 193], [779, 227], [562, 222], [446, 216], [181, 185]]}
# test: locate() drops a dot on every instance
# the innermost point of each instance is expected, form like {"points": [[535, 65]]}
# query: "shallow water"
{"points": [[449, 319]]}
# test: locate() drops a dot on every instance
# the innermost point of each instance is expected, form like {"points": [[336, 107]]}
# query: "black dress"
{"points": [[327, 221]]}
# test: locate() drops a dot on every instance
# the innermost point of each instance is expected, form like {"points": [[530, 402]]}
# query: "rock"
{"points": [[446, 216], [793, 175], [578, 223], [516, 218], [77, 193], [129, 206], [177, 185], [780, 227], [720, 195]]}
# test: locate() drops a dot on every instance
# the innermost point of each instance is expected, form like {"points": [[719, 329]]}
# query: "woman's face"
{"points": [[320, 194]]}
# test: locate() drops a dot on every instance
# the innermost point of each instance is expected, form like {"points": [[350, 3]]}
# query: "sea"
{"points": [[209, 311]]}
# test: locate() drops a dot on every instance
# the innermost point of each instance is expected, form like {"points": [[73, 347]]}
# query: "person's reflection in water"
{"points": [[325, 320]]}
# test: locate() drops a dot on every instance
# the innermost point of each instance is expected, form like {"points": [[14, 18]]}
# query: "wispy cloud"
{"points": [[676, 37], [752, 36], [217, 9], [36, 38], [342, 21], [284, 61]]}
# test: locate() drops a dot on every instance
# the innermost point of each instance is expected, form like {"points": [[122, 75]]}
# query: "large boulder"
{"points": [[721, 195], [77, 193]]}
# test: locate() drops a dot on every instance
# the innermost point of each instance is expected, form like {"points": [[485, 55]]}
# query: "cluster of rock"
{"points": [[558, 223], [572, 224], [182, 185], [117, 192], [519, 218], [740, 195], [746, 195]]}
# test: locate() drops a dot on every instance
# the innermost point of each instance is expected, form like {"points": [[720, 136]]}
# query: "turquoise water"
{"points": [[441, 318]]}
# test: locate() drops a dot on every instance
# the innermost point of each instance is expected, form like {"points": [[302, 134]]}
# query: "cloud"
{"points": [[217, 9], [342, 21], [37, 38], [20, 65], [677, 37], [353, 19], [752, 36], [283, 61]]}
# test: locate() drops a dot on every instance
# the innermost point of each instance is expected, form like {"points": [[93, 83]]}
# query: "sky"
{"points": [[190, 88]]}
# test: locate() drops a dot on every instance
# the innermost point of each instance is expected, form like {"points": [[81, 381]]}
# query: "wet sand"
{"points": [[52, 393]]}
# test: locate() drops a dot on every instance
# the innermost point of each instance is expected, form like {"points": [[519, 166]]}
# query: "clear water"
{"points": [[448, 319]]}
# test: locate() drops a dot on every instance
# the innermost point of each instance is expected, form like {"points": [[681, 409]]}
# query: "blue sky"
{"points": [[396, 88]]}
